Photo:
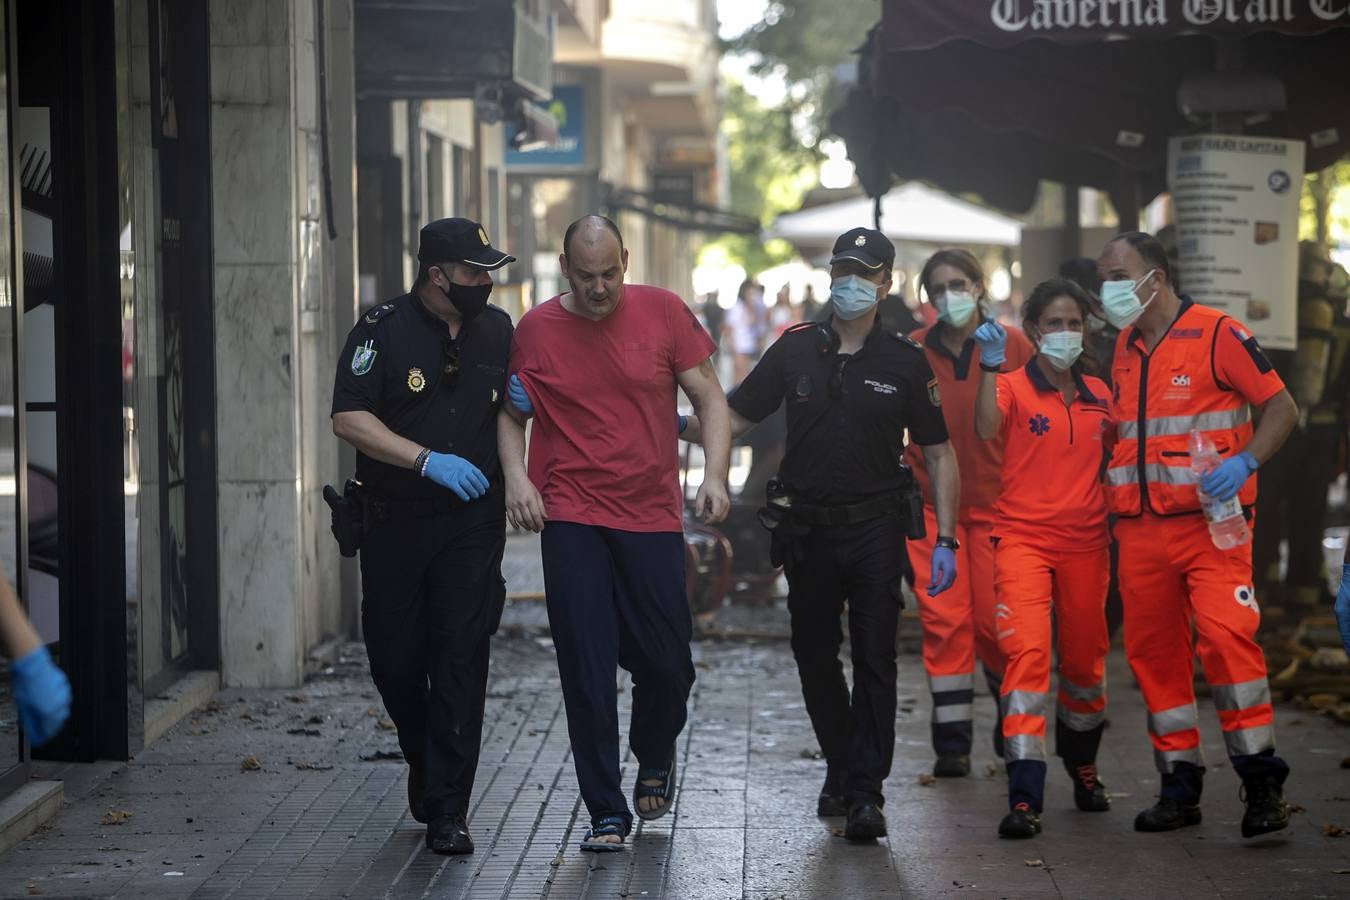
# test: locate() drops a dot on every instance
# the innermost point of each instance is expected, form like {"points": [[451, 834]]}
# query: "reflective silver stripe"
{"points": [[1164, 760], [1170, 721], [1156, 473], [952, 712], [1023, 746], [1023, 703], [1246, 741], [1243, 695], [963, 682], [1173, 426], [1082, 694], [1079, 721], [1122, 475]]}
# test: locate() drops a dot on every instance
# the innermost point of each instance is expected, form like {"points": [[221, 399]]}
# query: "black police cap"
{"points": [[459, 240], [865, 245]]}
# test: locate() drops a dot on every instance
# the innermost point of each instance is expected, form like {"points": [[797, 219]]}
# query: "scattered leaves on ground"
{"points": [[385, 725], [1034, 863], [117, 817], [306, 765], [250, 763], [1332, 830], [991, 770], [380, 755], [1297, 808]]}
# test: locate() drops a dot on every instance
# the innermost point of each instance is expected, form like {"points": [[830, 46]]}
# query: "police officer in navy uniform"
{"points": [[418, 388], [838, 511]]}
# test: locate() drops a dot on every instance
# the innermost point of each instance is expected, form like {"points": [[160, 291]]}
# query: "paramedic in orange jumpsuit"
{"points": [[1050, 549], [958, 625], [1181, 366]]}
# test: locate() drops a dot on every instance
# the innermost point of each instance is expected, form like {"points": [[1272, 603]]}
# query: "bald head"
{"points": [[591, 230], [594, 262]]}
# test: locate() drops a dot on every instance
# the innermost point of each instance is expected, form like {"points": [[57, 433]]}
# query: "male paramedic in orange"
{"points": [[1181, 366]]}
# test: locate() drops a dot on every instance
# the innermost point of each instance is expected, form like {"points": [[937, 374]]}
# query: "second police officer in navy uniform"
{"points": [[418, 388], [842, 506]]}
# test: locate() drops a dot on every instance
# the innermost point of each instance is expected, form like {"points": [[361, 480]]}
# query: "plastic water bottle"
{"points": [[1227, 525]]}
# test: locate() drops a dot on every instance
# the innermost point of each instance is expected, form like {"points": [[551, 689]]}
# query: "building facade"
{"points": [[636, 104], [180, 263]]}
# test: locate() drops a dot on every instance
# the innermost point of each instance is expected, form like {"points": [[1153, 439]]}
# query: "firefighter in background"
{"points": [[1050, 550], [1181, 366], [1293, 505], [958, 625]]}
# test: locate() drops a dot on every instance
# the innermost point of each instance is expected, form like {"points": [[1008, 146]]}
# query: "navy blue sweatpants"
{"points": [[617, 598]]}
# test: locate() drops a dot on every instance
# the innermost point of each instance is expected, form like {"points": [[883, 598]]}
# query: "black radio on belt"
{"points": [[347, 515], [911, 505]]}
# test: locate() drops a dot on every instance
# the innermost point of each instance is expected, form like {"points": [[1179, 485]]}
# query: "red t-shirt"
{"points": [[604, 446]]}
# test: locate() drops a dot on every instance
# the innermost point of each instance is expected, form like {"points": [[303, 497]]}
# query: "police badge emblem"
{"points": [[364, 358], [416, 380], [861, 241]]}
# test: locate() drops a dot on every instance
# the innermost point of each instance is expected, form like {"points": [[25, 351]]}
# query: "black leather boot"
{"points": [[1266, 809]]}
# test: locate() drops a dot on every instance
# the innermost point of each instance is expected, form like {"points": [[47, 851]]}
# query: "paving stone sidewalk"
{"points": [[323, 816]]}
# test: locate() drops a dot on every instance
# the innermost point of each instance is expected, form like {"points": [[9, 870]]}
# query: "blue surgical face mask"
{"points": [[1062, 348], [956, 307], [1121, 303], [852, 296]]}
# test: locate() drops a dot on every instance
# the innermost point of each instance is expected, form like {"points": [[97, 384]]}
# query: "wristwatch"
{"points": [[950, 543]]}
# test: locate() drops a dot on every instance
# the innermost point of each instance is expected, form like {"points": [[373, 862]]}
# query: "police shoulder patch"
{"points": [[934, 393], [379, 312], [906, 340], [363, 358]]}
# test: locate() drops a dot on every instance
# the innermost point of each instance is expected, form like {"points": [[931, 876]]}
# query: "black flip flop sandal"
{"points": [[665, 790], [609, 826]]}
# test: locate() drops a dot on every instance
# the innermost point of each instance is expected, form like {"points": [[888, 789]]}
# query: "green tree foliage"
{"points": [[770, 170], [1324, 213], [805, 41], [772, 153]]}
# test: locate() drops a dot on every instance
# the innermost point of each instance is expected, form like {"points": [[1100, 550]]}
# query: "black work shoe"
{"points": [[417, 792], [1266, 809], [1089, 794], [1022, 822], [449, 835], [952, 765], [865, 822], [832, 801], [1167, 815]]}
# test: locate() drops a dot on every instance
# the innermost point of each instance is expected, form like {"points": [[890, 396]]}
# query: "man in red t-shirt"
{"points": [[598, 368]]}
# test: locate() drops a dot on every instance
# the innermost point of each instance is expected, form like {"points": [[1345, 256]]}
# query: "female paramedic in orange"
{"points": [[1050, 550], [958, 625]]}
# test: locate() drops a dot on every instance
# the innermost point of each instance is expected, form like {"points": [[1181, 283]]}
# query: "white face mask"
{"points": [[956, 307], [1121, 303], [1062, 348]]}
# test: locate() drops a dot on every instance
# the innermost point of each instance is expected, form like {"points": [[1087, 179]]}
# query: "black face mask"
{"points": [[468, 299]]}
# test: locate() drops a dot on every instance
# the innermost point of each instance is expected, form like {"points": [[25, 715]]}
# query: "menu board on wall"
{"points": [[1237, 202]]}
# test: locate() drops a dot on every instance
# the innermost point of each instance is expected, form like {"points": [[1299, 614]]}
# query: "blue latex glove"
{"points": [[515, 391], [993, 341], [943, 571], [1342, 607], [42, 695], [1224, 482], [684, 423], [457, 474]]}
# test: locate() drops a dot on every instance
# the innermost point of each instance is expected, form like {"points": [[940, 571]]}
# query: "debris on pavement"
{"points": [[250, 763], [117, 817]]}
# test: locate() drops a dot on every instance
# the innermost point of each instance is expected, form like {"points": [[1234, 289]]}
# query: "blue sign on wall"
{"points": [[568, 107]]}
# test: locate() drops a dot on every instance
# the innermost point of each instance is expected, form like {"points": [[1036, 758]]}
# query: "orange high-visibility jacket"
{"points": [[1161, 396]]}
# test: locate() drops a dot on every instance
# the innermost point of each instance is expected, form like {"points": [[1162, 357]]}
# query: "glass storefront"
{"points": [[11, 749]]}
